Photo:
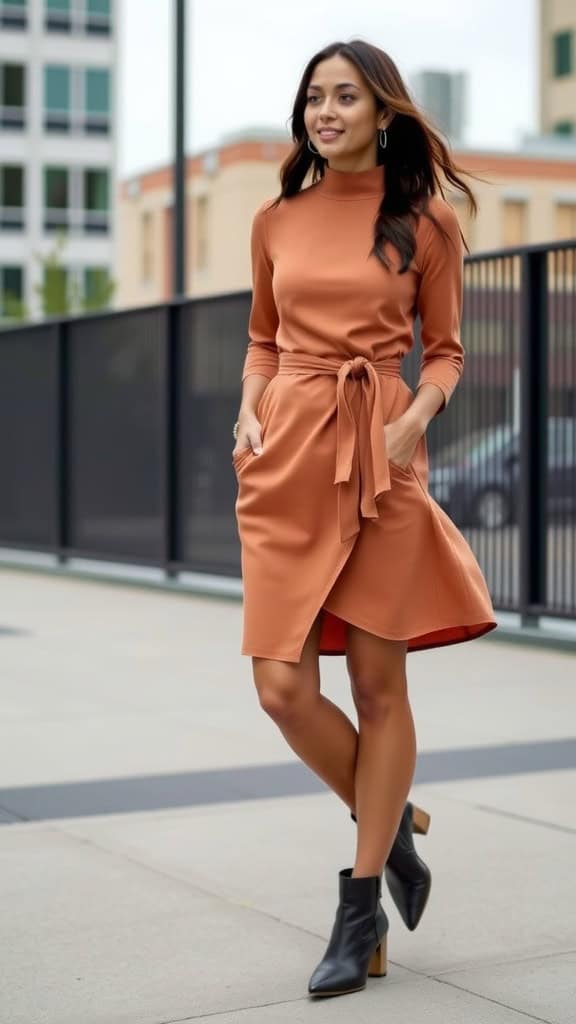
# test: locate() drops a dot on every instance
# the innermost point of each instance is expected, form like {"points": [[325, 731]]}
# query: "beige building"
{"points": [[523, 198], [558, 67]]}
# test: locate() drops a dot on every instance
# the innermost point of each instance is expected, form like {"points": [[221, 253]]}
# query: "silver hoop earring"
{"points": [[384, 143], [311, 148]]}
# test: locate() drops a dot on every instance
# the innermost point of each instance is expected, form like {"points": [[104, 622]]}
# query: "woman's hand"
{"points": [[402, 436], [249, 433]]}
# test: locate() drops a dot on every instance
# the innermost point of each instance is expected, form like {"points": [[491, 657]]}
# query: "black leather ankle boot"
{"points": [[357, 944], [408, 878]]}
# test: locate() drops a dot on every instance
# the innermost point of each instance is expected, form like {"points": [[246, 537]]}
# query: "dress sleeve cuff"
{"points": [[261, 357], [443, 376]]}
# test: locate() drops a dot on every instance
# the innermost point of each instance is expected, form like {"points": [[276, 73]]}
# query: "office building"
{"points": [[57, 152]]}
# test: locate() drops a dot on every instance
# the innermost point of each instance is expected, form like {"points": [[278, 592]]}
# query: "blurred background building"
{"points": [[71, 238], [526, 197], [57, 155], [528, 194], [443, 95], [557, 68]]}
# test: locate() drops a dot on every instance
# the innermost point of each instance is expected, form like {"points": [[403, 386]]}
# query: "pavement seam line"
{"points": [[506, 963], [540, 822], [489, 999], [213, 895], [302, 999], [188, 884], [179, 879], [235, 1009], [490, 809]]}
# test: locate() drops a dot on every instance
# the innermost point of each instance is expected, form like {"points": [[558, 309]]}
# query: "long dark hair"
{"points": [[414, 155]]}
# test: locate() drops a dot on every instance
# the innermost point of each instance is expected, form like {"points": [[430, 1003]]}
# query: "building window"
{"points": [[564, 128], [147, 246], [55, 291], [77, 100], [566, 229], [201, 232], [76, 200], [98, 17], [514, 222], [57, 98], [12, 96], [566, 220], [57, 16], [96, 200], [98, 288], [11, 197], [97, 100], [56, 199], [563, 59], [92, 17], [13, 13], [11, 292]]}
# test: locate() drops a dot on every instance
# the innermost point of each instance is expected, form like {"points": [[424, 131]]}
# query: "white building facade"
{"points": [[57, 149]]}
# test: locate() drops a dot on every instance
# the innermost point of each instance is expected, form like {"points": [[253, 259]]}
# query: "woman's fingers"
{"points": [[255, 440], [250, 438]]}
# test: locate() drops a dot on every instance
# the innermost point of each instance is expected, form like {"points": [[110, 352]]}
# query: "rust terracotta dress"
{"points": [[325, 520]]}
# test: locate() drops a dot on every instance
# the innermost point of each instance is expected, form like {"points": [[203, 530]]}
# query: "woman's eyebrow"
{"points": [[341, 85]]}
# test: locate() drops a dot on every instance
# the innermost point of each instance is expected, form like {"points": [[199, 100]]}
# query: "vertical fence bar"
{"points": [[63, 420], [171, 439], [532, 518]]}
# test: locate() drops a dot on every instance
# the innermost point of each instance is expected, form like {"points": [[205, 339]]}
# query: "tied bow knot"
{"points": [[362, 470]]}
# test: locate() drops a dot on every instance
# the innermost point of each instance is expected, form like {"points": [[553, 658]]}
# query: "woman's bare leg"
{"points": [[316, 729], [386, 744]]}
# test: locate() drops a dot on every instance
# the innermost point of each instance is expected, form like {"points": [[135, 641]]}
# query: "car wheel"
{"points": [[492, 509]]}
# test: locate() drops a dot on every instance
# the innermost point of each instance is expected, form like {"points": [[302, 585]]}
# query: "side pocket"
{"points": [[240, 457], [408, 471]]}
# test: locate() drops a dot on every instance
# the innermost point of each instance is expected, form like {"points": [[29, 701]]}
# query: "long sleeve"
{"points": [[439, 301], [261, 353]]}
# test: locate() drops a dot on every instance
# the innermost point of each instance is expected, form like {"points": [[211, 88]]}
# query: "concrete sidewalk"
{"points": [[164, 856]]}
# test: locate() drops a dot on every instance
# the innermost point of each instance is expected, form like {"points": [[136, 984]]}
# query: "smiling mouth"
{"points": [[329, 132]]}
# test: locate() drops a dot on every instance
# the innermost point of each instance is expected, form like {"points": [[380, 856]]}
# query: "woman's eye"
{"points": [[344, 96]]}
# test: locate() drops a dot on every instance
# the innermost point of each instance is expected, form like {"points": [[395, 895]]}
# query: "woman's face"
{"points": [[339, 99]]}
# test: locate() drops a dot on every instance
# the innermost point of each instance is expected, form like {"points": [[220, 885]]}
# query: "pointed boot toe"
{"points": [[408, 878], [357, 944]]}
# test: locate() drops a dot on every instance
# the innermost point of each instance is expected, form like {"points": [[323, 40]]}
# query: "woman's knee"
{"points": [[374, 701], [377, 671], [283, 690], [286, 689]]}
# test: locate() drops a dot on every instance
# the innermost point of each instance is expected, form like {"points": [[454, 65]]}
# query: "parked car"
{"points": [[475, 478]]}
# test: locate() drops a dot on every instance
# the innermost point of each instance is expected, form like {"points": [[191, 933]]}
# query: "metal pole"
{"points": [[532, 514], [179, 171]]}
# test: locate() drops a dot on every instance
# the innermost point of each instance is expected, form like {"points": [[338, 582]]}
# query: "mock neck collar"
{"points": [[352, 184]]}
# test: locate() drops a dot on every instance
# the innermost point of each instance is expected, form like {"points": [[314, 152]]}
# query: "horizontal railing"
{"points": [[115, 432]]}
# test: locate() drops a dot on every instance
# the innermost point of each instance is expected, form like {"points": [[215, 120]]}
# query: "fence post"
{"points": [[171, 441], [63, 440], [533, 350]]}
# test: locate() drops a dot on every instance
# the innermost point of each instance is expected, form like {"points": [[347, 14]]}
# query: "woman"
{"points": [[343, 549]]}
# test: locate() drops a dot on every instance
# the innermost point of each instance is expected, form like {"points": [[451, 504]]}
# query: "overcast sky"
{"points": [[245, 58]]}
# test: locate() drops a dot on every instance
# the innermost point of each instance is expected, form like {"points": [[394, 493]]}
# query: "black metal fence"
{"points": [[115, 432]]}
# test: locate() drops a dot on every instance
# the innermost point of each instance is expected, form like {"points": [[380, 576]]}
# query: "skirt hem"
{"points": [[477, 630]]}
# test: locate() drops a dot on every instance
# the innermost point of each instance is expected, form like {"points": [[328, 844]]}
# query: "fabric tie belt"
{"points": [[362, 470]]}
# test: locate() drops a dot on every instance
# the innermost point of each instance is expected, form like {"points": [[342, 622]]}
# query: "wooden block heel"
{"points": [[420, 821], [378, 965]]}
